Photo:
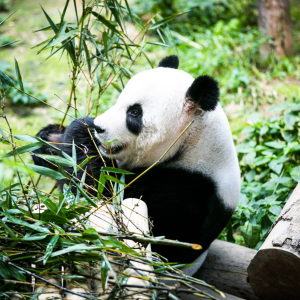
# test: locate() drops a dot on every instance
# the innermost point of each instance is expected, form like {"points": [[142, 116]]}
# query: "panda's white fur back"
{"points": [[213, 154]]}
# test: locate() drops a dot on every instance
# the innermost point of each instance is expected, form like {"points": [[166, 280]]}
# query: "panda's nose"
{"points": [[99, 129]]}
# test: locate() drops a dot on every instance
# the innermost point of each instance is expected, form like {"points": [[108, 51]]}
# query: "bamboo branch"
{"points": [[141, 239], [50, 283]]}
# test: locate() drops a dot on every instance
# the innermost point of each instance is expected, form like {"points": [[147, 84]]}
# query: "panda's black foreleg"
{"points": [[81, 132]]}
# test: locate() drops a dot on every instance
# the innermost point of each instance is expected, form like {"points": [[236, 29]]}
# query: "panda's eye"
{"points": [[134, 111]]}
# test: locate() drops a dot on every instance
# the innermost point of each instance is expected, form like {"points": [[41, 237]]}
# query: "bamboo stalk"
{"points": [[141, 239]]}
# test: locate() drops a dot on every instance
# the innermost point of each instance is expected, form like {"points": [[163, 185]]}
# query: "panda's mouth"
{"points": [[111, 150]]}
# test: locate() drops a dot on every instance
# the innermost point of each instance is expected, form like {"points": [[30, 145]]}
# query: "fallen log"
{"points": [[226, 268], [274, 272]]}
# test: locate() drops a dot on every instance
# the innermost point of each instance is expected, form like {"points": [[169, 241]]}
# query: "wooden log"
{"points": [[226, 268], [274, 272], [210, 292]]}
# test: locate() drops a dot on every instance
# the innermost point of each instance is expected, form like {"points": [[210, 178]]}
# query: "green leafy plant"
{"points": [[269, 160], [18, 97]]}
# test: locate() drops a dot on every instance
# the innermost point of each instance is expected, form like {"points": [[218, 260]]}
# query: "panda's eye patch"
{"points": [[134, 110], [134, 118]]}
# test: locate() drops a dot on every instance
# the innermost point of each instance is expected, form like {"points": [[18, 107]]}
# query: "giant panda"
{"points": [[192, 193]]}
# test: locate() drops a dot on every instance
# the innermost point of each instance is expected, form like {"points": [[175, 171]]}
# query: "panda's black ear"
{"points": [[170, 62], [205, 92]]}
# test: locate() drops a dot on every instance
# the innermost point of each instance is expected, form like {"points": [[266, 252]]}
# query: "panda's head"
{"points": [[152, 110]]}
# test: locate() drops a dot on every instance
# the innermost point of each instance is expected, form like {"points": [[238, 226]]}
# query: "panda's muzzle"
{"points": [[113, 150]]}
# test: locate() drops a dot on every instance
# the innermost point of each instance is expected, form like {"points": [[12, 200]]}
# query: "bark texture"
{"points": [[274, 19], [274, 273], [226, 268]]}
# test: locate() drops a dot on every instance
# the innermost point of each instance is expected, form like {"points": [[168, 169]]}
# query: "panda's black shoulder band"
{"points": [[205, 92], [170, 62]]}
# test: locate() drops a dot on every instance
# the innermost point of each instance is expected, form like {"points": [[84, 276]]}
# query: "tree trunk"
{"points": [[274, 19], [274, 273], [226, 268]]}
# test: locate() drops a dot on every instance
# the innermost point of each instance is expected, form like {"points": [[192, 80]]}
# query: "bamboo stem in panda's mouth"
{"points": [[112, 150]]}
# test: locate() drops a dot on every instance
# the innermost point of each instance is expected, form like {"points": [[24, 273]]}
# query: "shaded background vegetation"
{"points": [[220, 38]]}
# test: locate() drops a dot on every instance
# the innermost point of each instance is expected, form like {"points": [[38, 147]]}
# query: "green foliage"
{"points": [[4, 5], [201, 13], [269, 161], [20, 98], [232, 56], [11, 78]]}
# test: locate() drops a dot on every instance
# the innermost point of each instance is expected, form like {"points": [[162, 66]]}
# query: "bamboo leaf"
{"points": [[166, 20], [5, 79], [78, 247], [24, 149], [64, 11], [46, 171], [16, 273], [104, 275], [36, 226], [75, 7], [18, 73], [127, 71], [107, 23], [62, 200], [52, 24], [168, 34], [51, 213], [57, 159], [4, 272], [116, 87], [26, 138], [74, 157], [80, 166], [8, 17], [3, 134], [115, 170], [63, 46], [114, 179], [35, 237], [115, 13], [60, 38], [101, 184], [135, 18], [8, 44], [50, 248], [87, 55], [158, 44], [49, 27], [90, 234], [84, 194], [8, 230]]}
